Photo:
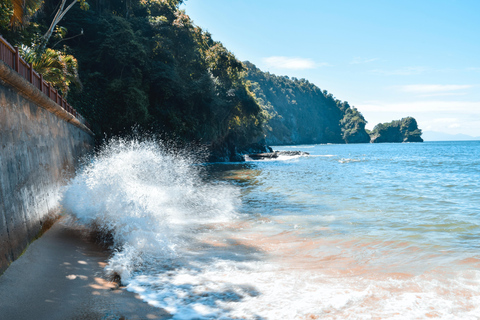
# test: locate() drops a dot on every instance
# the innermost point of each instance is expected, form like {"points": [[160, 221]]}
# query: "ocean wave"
{"points": [[148, 199]]}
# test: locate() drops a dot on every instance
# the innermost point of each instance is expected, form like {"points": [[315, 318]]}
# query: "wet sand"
{"points": [[61, 276]]}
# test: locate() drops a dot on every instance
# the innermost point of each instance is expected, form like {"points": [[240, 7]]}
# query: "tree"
{"points": [[22, 9], [62, 10]]}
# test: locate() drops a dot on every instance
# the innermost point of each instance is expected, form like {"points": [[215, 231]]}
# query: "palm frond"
{"points": [[57, 67], [22, 9]]}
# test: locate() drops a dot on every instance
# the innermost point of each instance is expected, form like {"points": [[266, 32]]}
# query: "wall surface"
{"points": [[39, 149]]}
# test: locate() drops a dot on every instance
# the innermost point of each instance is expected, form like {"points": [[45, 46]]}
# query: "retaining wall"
{"points": [[40, 145]]}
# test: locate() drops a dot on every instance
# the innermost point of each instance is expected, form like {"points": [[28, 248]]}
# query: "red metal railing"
{"points": [[11, 57]]}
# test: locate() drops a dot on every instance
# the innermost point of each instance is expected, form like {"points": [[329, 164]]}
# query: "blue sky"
{"points": [[390, 59]]}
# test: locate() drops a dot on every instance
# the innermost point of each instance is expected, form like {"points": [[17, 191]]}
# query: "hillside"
{"points": [[298, 112], [144, 64]]}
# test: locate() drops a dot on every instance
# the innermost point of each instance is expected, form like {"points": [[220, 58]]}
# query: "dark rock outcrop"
{"points": [[276, 154], [229, 152], [360, 136]]}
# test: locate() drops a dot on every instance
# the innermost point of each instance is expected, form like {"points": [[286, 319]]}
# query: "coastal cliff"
{"points": [[298, 112]]}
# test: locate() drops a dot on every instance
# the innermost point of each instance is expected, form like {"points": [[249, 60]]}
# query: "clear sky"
{"points": [[390, 59]]}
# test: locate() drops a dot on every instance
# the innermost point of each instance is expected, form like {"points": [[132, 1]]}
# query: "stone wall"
{"points": [[40, 145]]}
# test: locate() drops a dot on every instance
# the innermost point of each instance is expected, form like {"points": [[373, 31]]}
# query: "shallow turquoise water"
{"points": [[428, 194]]}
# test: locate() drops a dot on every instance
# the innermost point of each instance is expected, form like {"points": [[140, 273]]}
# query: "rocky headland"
{"points": [[404, 130]]}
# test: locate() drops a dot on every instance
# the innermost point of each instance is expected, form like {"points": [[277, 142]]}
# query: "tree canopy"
{"points": [[297, 111]]}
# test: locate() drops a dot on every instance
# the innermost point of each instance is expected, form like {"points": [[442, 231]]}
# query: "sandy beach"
{"points": [[61, 276]]}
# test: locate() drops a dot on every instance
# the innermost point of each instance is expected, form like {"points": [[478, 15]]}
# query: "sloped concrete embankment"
{"points": [[40, 144]]}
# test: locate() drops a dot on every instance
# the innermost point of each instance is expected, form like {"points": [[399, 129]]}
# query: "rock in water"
{"points": [[276, 154]]}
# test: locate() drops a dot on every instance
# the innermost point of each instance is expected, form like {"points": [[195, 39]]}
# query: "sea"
{"points": [[361, 231]]}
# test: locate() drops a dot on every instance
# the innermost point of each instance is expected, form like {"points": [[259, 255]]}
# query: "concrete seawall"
{"points": [[40, 145]]}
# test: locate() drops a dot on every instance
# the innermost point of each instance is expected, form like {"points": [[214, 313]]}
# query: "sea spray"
{"points": [[148, 198]]}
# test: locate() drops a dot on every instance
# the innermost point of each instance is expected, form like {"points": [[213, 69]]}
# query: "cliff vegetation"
{"points": [[404, 130], [297, 111]]}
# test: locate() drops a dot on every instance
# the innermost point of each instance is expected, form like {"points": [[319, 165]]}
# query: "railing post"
{"points": [[49, 90], [41, 82], [31, 73], [17, 59]]}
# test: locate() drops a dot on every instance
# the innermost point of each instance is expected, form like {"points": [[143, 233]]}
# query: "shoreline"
{"points": [[61, 276]]}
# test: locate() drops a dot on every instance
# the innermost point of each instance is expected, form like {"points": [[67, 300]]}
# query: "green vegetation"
{"points": [[25, 30], [15, 24], [145, 64], [297, 111], [57, 67], [21, 10], [404, 130]]}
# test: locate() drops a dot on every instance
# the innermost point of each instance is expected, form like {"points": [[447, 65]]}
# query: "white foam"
{"points": [[148, 199], [347, 160], [226, 289]]}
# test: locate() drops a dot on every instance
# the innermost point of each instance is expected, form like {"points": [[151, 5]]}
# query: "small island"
{"points": [[404, 130]]}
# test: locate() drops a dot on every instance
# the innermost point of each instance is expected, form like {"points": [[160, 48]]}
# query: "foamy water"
{"points": [[350, 232]]}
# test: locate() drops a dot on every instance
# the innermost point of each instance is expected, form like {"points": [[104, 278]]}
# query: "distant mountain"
{"points": [[442, 136]]}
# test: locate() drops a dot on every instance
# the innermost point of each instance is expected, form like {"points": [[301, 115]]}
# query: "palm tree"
{"points": [[57, 67], [23, 9]]}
